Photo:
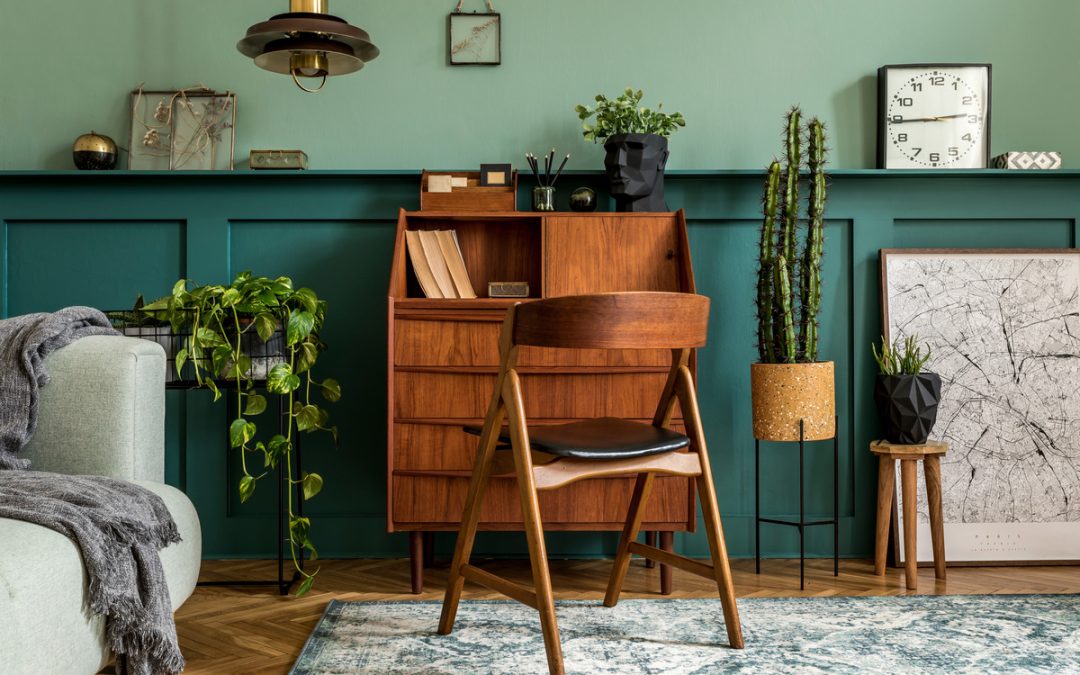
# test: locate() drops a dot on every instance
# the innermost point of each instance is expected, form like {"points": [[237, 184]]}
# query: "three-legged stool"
{"points": [[909, 455]]}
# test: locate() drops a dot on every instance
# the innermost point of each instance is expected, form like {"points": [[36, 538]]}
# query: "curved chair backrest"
{"points": [[637, 320]]}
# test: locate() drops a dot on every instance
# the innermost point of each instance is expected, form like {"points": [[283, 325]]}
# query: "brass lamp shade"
{"points": [[308, 43]]}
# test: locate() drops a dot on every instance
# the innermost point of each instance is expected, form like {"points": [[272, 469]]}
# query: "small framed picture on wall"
{"points": [[475, 37]]}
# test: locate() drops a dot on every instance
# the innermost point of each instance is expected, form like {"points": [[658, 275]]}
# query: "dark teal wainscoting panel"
{"points": [[109, 258], [102, 238]]}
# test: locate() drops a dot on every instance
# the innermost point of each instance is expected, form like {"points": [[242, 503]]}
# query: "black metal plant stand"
{"points": [[264, 355], [283, 583], [801, 523]]}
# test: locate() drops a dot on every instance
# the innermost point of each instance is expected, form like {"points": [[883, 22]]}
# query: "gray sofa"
{"points": [[103, 413]]}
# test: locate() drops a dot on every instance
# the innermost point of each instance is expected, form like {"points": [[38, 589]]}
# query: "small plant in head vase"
{"points": [[635, 138]]}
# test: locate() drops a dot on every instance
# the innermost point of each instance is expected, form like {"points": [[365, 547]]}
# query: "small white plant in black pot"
{"points": [[906, 397]]}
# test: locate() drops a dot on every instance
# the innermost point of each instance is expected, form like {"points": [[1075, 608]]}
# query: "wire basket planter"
{"points": [[139, 324]]}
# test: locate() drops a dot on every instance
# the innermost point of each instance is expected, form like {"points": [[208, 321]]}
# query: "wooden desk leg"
{"points": [[886, 489], [932, 471], [650, 540], [909, 487], [416, 561], [667, 543]]}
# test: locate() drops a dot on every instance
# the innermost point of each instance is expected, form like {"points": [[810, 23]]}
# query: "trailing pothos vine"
{"points": [[220, 320]]}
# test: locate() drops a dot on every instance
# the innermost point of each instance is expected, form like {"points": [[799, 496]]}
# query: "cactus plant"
{"points": [[901, 358], [789, 283], [767, 258]]}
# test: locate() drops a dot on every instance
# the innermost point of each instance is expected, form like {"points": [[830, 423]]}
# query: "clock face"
{"points": [[934, 117]]}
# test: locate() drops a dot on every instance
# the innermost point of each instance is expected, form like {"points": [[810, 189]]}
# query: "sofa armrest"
{"points": [[103, 411]]}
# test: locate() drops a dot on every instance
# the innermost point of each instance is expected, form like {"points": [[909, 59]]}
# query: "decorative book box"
{"points": [[444, 354], [1027, 160]]}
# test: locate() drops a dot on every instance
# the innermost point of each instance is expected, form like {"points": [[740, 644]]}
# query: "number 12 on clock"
{"points": [[934, 116]]}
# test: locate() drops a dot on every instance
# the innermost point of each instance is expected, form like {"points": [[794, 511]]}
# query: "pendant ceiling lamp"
{"points": [[307, 42]]}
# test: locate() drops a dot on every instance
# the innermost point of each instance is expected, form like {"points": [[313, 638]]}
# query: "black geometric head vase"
{"points": [[635, 167]]}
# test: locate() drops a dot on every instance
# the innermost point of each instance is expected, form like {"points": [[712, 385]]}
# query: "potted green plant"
{"points": [[635, 138], [793, 393], [907, 397], [224, 326]]}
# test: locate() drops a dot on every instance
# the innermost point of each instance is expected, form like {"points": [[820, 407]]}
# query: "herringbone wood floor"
{"points": [[253, 630]]}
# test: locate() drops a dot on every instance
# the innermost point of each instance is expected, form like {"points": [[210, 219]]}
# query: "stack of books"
{"points": [[439, 266]]}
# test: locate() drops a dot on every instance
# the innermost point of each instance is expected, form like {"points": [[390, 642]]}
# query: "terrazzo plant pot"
{"points": [[785, 393], [908, 406]]}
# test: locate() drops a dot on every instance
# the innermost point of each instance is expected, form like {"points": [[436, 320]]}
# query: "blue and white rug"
{"points": [[913, 634]]}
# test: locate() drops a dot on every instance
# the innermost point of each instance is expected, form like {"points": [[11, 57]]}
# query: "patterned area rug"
{"points": [[915, 634]]}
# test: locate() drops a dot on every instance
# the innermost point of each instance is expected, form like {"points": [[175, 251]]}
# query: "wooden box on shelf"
{"points": [[443, 357], [473, 197]]}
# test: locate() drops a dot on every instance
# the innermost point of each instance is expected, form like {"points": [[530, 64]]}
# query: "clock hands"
{"points": [[938, 118]]}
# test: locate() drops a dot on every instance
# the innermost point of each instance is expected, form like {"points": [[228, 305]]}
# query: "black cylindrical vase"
{"points": [[908, 406]]}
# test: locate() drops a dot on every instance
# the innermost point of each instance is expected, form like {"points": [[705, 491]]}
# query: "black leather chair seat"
{"points": [[601, 438]]}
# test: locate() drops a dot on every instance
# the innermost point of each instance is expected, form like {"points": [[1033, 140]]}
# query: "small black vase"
{"points": [[908, 406]]}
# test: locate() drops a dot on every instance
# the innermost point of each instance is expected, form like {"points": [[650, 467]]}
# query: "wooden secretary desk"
{"points": [[443, 356]]}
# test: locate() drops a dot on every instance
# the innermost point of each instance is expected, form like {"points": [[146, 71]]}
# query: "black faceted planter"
{"points": [[908, 406], [635, 169]]}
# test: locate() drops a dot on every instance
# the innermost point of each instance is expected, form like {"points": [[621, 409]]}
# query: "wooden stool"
{"points": [[909, 456]]}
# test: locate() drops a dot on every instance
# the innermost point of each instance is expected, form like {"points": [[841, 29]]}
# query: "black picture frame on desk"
{"points": [[496, 175]]}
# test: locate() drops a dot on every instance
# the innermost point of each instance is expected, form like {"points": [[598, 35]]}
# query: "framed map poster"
{"points": [[1004, 330]]}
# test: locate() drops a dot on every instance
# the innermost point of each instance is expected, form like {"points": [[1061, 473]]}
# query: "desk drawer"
{"points": [[426, 342], [439, 447], [426, 395], [601, 503]]}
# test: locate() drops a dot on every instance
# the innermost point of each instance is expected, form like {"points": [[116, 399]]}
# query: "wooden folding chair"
{"points": [[549, 457]]}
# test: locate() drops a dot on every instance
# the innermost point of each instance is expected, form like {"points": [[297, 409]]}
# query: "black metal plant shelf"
{"points": [[802, 523], [264, 356]]}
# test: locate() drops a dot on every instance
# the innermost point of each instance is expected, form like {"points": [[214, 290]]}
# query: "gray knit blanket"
{"points": [[118, 527], [25, 341]]}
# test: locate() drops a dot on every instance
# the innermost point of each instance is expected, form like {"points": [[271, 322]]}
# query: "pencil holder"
{"points": [[543, 198]]}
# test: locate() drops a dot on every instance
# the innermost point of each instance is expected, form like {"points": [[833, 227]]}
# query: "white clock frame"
{"points": [[888, 155]]}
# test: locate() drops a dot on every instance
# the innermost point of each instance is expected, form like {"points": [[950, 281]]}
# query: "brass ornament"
{"points": [[94, 142], [94, 152]]}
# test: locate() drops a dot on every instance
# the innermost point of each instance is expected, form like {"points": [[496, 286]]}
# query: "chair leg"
{"points": [[709, 509], [533, 525], [642, 488], [467, 534], [545, 597], [718, 549]]}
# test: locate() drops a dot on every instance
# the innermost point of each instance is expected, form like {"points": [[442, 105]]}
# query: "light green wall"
{"points": [[731, 66]]}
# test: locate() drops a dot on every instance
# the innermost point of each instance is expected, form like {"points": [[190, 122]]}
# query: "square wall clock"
{"points": [[934, 116], [475, 39]]}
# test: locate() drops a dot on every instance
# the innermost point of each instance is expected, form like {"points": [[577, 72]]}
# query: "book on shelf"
{"points": [[438, 264], [451, 250], [429, 240], [420, 265]]}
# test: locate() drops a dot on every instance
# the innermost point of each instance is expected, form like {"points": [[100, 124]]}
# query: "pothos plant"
{"points": [[625, 115], [219, 321]]}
